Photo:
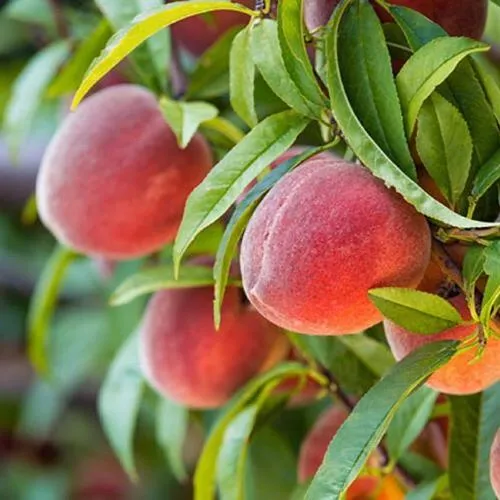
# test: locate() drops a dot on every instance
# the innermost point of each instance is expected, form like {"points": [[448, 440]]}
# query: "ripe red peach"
{"points": [[495, 465], [457, 17], [113, 182], [186, 360], [314, 448], [325, 235], [462, 374], [198, 33]]}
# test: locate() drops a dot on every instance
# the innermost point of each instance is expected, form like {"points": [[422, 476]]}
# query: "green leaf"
{"points": [[225, 128], [73, 72], [474, 422], [428, 68], [231, 463], [225, 182], [489, 76], [365, 66], [367, 150], [28, 92], [210, 77], [239, 220], [491, 297], [291, 38], [42, 306], [487, 177], [425, 491], [204, 479], [241, 78], [172, 422], [445, 146], [271, 467], [160, 278], [143, 27], [186, 117], [472, 267], [416, 311], [365, 427], [272, 68], [149, 60], [119, 400], [357, 360], [409, 421], [462, 88]]}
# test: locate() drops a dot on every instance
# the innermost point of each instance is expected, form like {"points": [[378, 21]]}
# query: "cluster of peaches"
{"points": [[114, 182]]}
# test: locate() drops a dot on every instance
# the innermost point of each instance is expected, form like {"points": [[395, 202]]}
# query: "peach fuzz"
{"points": [[462, 374], [198, 33], [113, 182], [186, 360], [315, 446], [495, 464], [325, 235]]}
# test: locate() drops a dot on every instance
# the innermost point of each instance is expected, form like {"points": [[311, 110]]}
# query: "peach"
{"points": [[462, 374], [325, 235], [198, 33], [186, 360], [495, 464], [314, 448], [457, 17], [113, 182]]}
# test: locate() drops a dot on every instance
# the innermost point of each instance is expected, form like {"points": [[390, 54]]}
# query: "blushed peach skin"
{"points": [[186, 360], [314, 448], [495, 464], [198, 33], [457, 17], [325, 235], [113, 182], [461, 375]]}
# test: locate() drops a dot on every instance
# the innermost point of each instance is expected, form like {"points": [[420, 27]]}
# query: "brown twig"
{"points": [[178, 78], [336, 390], [61, 25]]}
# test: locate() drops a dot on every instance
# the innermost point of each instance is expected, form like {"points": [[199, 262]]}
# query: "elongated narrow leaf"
{"points": [[204, 480], [70, 77], [462, 88], [172, 422], [425, 491], [143, 27], [489, 76], [418, 312], [210, 77], [366, 425], [225, 128], [272, 68], [231, 464], [367, 75], [225, 182], [159, 278], [444, 146], [409, 421], [359, 361], [238, 222], [186, 117], [150, 59], [119, 401], [241, 77], [368, 151], [472, 267], [488, 175], [428, 68], [293, 48], [42, 306], [474, 422], [28, 92]]}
